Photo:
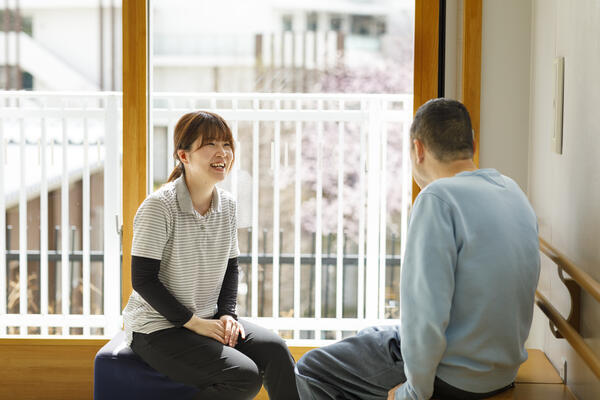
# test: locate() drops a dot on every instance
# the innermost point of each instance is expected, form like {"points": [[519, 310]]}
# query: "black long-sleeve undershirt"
{"points": [[144, 279], [228, 295]]}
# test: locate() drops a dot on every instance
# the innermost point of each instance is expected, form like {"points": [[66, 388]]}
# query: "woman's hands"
{"points": [[225, 330], [212, 328], [233, 329]]}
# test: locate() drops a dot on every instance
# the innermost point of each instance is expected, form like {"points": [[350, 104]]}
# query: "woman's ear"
{"points": [[182, 156]]}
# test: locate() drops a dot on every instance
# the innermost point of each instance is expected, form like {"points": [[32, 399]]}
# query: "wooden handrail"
{"points": [[561, 327], [582, 278], [569, 333]]}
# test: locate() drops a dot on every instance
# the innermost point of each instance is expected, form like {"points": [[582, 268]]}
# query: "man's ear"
{"points": [[419, 150]]}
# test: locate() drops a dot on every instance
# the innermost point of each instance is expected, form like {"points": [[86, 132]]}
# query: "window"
{"points": [[310, 223], [311, 21], [60, 177], [335, 23], [286, 22]]}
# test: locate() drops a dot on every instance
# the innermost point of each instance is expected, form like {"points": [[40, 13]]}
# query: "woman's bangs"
{"points": [[216, 132]]}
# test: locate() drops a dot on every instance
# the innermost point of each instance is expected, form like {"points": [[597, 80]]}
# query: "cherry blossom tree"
{"points": [[392, 77]]}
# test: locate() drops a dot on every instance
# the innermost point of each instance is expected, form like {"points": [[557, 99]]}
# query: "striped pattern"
{"points": [[193, 250]]}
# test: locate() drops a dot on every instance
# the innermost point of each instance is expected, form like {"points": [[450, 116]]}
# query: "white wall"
{"points": [[505, 103], [504, 128], [505, 67], [565, 189], [520, 40]]}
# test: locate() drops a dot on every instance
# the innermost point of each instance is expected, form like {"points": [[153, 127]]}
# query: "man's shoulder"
{"points": [[471, 182], [441, 189]]}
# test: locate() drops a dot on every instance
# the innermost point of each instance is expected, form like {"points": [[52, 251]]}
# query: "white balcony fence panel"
{"points": [[54, 140], [112, 212], [72, 136], [22, 224], [297, 217], [43, 162], [265, 115], [3, 281], [276, 245], [361, 222], [255, 172], [319, 219], [339, 291], [64, 213]]}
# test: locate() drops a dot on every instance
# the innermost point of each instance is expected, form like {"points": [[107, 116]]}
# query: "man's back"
{"points": [[468, 281], [470, 271]]}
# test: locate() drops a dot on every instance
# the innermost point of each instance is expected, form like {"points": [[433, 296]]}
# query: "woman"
{"points": [[180, 317]]}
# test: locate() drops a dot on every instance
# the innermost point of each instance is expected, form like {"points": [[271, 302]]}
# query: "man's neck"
{"points": [[456, 167], [440, 169]]}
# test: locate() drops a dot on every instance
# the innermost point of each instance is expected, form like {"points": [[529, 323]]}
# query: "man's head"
{"points": [[441, 136]]}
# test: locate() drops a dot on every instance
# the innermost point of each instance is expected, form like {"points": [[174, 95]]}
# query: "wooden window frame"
{"points": [[68, 363], [427, 61]]}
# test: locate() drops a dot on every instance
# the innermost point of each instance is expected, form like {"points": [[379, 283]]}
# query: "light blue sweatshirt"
{"points": [[470, 272]]}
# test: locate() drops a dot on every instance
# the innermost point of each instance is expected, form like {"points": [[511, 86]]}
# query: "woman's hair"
{"points": [[209, 126]]}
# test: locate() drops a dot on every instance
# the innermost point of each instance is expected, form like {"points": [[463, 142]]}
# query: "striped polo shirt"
{"points": [[193, 250]]}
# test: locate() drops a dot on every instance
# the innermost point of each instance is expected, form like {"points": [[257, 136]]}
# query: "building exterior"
{"points": [[200, 46]]}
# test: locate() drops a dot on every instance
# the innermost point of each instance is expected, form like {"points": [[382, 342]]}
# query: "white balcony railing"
{"points": [[308, 164], [48, 141]]}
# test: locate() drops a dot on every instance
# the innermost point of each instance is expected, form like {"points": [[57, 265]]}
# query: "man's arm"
{"points": [[427, 288]]}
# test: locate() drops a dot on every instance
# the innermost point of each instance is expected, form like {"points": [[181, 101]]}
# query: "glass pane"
{"points": [[255, 64], [59, 138]]}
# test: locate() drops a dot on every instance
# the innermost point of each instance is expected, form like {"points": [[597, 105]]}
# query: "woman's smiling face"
{"points": [[209, 161]]}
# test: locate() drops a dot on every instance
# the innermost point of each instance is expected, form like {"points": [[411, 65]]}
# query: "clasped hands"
{"points": [[225, 330]]}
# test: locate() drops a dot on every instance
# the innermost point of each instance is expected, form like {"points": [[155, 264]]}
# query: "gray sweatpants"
{"points": [[365, 367]]}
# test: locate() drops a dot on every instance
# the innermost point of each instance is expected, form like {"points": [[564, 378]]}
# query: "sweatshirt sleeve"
{"points": [[427, 288]]}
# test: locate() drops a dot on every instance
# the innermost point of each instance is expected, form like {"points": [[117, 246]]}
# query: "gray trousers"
{"points": [[365, 367], [361, 367]]}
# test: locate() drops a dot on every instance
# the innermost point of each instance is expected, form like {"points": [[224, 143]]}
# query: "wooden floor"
{"points": [[62, 369], [536, 391], [536, 380]]}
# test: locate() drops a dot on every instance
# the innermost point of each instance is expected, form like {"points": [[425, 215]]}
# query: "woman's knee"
{"points": [[277, 344], [279, 350], [272, 345], [248, 380], [240, 376]]}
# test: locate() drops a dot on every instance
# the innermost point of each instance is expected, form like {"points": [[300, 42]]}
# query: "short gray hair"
{"points": [[444, 126]]}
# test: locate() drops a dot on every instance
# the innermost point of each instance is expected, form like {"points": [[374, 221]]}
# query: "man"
{"points": [[468, 280]]}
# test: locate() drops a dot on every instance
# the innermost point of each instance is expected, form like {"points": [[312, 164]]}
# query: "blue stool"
{"points": [[119, 373]]}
